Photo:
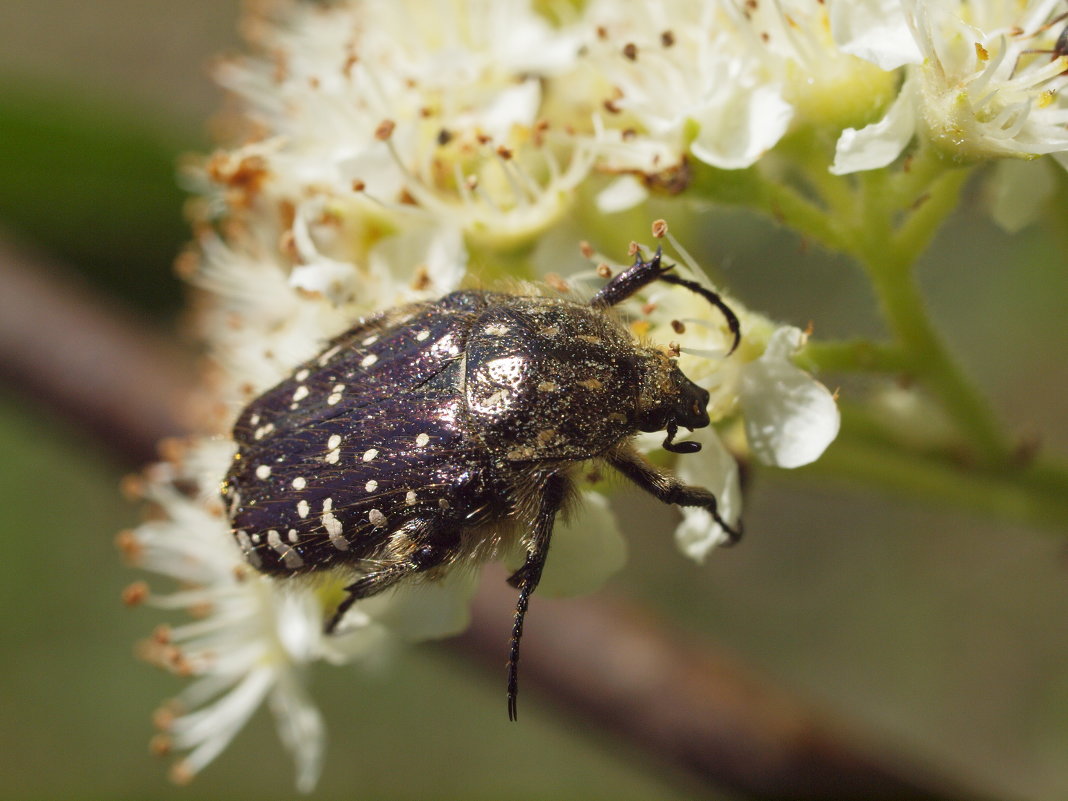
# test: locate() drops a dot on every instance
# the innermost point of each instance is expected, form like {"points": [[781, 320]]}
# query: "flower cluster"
{"points": [[380, 147]]}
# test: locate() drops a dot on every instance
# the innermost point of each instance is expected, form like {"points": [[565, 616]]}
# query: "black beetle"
{"points": [[435, 433]]}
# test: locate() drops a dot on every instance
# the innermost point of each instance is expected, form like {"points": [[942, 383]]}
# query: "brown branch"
{"points": [[63, 346], [605, 662], [690, 705]]}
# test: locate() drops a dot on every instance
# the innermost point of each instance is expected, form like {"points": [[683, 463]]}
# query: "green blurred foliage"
{"points": [[95, 184]]}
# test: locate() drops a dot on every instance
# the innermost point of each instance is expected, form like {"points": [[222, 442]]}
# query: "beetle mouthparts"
{"points": [[678, 447]]}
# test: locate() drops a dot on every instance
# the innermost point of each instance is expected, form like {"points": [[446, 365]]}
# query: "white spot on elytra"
{"points": [[371, 339], [263, 471], [497, 330], [299, 483], [254, 420], [303, 508], [328, 355], [328, 504], [333, 442], [410, 498], [333, 530], [235, 501], [256, 537], [300, 375], [293, 535], [422, 336], [446, 346], [245, 542], [290, 557], [376, 517], [370, 454], [333, 456], [422, 440], [300, 393], [371, 485], [368, 360], [335, 396], [263, 431]]}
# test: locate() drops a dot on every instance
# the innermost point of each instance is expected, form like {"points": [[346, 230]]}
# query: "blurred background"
{"points": [[938, 633]]}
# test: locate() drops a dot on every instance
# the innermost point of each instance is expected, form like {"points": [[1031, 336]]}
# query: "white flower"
{"points": [[384, 104], [824, 84], [976, 88], [246, 644], [790, 419], [251, 639], [680, 74]]}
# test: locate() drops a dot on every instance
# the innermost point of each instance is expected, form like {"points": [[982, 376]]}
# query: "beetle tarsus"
{"points": [[527, 577]]}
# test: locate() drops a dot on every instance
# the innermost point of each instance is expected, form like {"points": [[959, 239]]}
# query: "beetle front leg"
{"points": [[527, 577], [667, 488]]}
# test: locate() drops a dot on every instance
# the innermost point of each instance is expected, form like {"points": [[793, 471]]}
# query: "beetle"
{"points": [[439, 433]]}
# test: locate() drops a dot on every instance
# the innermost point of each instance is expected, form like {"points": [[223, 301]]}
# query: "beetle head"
{"points": [[671, 400]]}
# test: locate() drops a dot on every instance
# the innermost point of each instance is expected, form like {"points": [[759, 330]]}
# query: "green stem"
{"points": [[853, 356], [776, 199], [890, 259], [1035, 495], [886, 219]]}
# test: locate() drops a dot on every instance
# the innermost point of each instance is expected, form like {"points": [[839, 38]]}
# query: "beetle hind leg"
{"points": [[527, 577], [424, 547]]}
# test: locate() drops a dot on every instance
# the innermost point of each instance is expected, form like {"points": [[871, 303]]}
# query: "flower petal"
{"points": [[742, 127], [878, 144], [624, 193], [1020, 191], [790, 418], [301, 729], [714, 468], [876, 31]]}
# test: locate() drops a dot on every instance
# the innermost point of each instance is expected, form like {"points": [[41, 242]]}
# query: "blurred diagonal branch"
{"points": [[62, 346], [608, 663]]}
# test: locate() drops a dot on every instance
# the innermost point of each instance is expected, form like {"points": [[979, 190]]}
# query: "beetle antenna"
{"points": [[642, 273], [732, 319]]}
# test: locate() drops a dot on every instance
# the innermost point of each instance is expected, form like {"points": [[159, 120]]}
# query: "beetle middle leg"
{"points": [[430, 545], [527, 577], [669, 489]]}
